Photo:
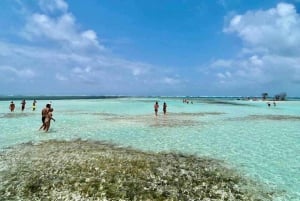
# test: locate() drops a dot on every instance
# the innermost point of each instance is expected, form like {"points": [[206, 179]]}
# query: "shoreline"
{"points": [[76, 97]]}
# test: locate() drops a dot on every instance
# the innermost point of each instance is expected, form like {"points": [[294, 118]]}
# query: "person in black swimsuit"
{"points": [[156, 106], [23, 103], [165, 107]]}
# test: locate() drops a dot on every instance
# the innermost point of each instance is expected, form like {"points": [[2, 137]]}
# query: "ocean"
{"points": [[261, 142]]}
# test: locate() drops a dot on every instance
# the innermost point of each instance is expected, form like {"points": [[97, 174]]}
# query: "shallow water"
{"points": [[261, 142]]}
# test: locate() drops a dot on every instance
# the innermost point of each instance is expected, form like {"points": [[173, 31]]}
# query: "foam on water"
{"points": [[260, 141]]}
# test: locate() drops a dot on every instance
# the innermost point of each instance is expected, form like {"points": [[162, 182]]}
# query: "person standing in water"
{"points": [[23, 103], [156, 106], [12, 106], [44, 115], [48, 119], [165, 107], [34, 105]]}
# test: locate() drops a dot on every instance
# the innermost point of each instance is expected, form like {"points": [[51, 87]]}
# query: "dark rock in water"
{"points": [[84, 170]]}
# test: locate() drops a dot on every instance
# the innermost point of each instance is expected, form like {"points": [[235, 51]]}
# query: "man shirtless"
{"points": [[48, 119], [44, 115]]}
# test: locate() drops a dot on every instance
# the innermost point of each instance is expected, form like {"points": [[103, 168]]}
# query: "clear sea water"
{"points": [[260, 141]]}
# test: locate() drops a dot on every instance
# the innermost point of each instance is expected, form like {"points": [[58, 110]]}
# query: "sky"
{"points": [[154, 47]]}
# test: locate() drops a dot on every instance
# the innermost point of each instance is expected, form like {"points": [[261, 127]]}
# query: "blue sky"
{"points": [[133, 47]]}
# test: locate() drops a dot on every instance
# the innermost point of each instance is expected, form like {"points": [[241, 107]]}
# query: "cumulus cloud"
{"points": [[23, 73], [276, 30], [56, 46], [271, 52], [61, 29], [53, 5], [171, 80], [224, 75], [254, 60], [221, 63], [82, 70]]}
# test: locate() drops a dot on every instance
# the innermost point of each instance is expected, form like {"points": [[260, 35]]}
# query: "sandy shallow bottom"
{"points": [[89, 170]]}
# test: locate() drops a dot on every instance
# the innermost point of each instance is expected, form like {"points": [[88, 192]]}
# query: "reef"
{"points": [[171, 120], [268, 117], [89, 170]]}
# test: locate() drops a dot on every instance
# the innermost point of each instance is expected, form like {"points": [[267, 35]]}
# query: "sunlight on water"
{"points": [[262, 142]]}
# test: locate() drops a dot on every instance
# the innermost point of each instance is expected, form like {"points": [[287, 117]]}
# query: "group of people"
{"points": [[12, 105], [187, 101], [47, 113], [269, 104], [156, 106], [47, 116]]}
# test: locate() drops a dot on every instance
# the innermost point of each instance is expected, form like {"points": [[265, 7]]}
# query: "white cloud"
{"points": [[42, 26], [269, 70], [271, 53], [138, 69], [53, 5], [58, 28], [24, 73], [60, 77], [81, 70], [276, 30], [70, 56], [62, 30], [256, 61], [64, 61], [170, 81], [222, 63], [90, 36], [221, 75]]}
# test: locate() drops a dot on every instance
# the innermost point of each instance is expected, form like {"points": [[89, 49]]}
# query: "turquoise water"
{"points": [[262, 142]]}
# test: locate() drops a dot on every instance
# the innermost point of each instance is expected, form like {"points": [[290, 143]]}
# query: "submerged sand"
{"points": [[88, 170]]}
